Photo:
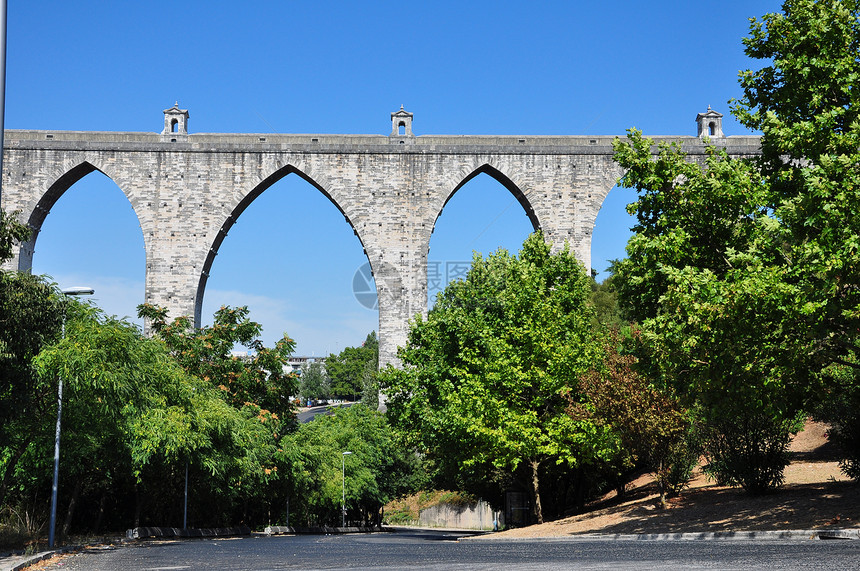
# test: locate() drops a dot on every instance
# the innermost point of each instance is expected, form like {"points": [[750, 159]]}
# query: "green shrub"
{"points": [[676, 470], [747, 449], [400, 515], [458, 499]]}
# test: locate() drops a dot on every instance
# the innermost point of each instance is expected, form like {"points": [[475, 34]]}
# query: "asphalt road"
{"points": [[439, 550], [311, 413]]}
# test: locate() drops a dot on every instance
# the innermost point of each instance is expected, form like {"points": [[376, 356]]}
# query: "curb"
{"points": [[320, 530], [150, 532], [791, 535], [17, 562]]}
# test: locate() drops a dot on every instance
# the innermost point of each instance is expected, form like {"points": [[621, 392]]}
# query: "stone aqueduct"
{"points": [[188, 190]]}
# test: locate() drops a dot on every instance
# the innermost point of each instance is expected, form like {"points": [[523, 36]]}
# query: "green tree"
{"points": [[31, 313], [604, 301], [351, 371], [314, 384], [131, 412], [259, 379], [12, 233], [743, 272], [488, 376], [132, 416], [258, 386], [378, 469], [29, 318], [807, 105], [703, 278]]}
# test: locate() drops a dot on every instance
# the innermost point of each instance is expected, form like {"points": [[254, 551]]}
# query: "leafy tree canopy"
{"points": [[354, 368], [259, 379], [488, 375], [314, 383], [31, 313], [12, 232], [748, 268], [129, 413], [744, 271], [378, 469]]}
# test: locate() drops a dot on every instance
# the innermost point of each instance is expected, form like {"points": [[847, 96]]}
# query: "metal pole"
{"points": [[343, 485], [53, 524], [343, 489], [185, 510], [2, 85]]}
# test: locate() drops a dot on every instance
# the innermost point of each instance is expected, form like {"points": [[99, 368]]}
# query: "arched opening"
{"points": [[88, 234], [611, 230], [174, 125], [401, 128], [486, 212], [712, 128], [291, 257]]}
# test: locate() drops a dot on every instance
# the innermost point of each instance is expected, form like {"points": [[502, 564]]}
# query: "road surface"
{"points": [[438, 550]]}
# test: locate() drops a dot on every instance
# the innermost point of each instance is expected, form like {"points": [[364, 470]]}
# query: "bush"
{"points": [[747, 449], [19, 529], [676, 469], [652, 426]]}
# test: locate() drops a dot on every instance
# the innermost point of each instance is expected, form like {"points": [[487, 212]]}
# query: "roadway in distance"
{"points": [[309, 414]]}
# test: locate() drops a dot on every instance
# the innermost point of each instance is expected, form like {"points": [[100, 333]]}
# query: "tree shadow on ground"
{"points": [[796, 506]]}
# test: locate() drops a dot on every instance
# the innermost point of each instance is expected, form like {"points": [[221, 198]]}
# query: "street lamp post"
{"points": [[343, 485], [53, 526]]}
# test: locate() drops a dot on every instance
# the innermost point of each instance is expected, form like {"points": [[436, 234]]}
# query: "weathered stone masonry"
{"points": [[188, 189]]}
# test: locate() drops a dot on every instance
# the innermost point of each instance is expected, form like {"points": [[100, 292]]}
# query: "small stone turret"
{"points": [[401, 119], [175, 121], [710, 123]]}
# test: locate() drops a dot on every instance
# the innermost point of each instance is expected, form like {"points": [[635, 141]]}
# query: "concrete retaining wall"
{"points": [[477, 516]]}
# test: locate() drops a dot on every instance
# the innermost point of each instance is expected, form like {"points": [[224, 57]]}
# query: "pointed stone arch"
{"points": [[502, 179], [244, 201], [70, 175], [457, 179]]}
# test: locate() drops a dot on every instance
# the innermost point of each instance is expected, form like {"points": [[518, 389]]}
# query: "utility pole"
{"points": [[2, 85], [343, 485]]}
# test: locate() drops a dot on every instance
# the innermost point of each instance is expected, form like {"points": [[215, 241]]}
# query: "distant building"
{"points": [[296, 362]]}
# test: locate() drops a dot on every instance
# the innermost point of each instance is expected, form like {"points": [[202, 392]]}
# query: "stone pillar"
{"points": [[173, 266], [567, 205], [401, 296]]}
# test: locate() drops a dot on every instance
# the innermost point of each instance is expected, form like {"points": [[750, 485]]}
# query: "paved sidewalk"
{"points": [[15, 562]]}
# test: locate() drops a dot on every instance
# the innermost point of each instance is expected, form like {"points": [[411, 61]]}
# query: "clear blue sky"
{"points": [[515, 68]]}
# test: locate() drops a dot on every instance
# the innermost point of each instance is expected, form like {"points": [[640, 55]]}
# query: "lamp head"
{"points": [[79, 291]]}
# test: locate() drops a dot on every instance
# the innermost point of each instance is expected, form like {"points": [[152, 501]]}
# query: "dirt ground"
{"points": [[816, 495]]}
